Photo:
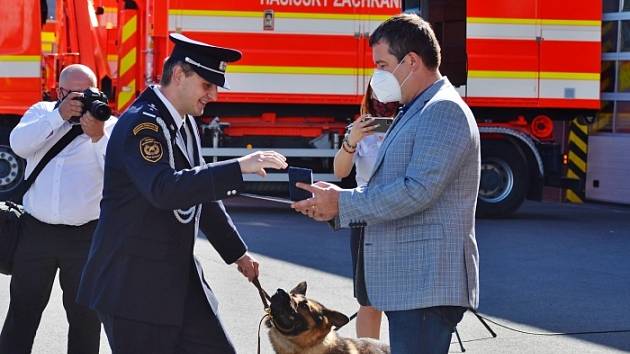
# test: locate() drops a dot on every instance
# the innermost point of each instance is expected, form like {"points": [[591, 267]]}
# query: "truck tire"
{"points": [[504, 179], [11, 166]]}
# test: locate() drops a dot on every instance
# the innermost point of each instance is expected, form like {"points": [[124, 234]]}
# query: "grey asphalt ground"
{"points": [[549, 268]]}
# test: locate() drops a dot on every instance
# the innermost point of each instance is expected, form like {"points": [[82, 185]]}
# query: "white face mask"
{"points": [[385, 85]]}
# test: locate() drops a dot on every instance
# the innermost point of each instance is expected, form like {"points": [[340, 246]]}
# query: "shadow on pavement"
{"points": [[284, 234], [560, 268], [552, 267]]}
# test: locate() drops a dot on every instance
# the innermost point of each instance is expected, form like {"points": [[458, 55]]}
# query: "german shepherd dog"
{"points": [[299, 325]]}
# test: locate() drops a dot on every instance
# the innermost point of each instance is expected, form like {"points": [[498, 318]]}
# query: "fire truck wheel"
{"points": [[504, 179], [11, 169]]}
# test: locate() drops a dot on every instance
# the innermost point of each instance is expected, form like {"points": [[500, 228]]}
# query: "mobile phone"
{"points": [[298, 174], [383, 123]]}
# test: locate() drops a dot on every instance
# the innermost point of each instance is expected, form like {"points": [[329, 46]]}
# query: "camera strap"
{"points": [[75, 131]]}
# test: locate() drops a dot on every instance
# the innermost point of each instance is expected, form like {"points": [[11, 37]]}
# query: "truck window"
{"points": [[448, 19], [47, 8]]}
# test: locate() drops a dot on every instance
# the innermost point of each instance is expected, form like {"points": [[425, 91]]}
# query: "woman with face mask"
{"points": [[360, 148]]}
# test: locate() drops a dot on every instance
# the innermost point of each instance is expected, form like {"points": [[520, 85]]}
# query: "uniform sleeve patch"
{"points": [[151, 149], [145, 126]]}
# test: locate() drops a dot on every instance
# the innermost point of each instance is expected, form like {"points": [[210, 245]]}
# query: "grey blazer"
{"points": [[418, 207]]}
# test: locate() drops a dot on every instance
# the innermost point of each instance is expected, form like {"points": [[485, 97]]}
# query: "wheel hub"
{"points": [[9, 168], [497, 181]]}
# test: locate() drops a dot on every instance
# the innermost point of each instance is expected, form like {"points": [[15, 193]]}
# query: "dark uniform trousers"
{"points": [[201, 331], [42, 249]]}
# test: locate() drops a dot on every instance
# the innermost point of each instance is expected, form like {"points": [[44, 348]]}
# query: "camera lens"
{"points": [[100, 110]]}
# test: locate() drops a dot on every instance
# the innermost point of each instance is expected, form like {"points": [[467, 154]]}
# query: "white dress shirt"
{"points": [[69, 189], [179, 122]]}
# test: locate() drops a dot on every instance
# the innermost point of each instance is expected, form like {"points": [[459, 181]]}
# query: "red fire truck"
{"points": [[522, 65]]}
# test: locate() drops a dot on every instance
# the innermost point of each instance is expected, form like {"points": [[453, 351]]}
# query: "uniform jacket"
{"points": [[141, 255], [418, 207]]}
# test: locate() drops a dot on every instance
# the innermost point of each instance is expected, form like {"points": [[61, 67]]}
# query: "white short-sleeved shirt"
{"points": [[365, 157]]}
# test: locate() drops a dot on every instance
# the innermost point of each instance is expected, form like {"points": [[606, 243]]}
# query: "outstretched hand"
{"points": [[257, 162], [324, 205]]}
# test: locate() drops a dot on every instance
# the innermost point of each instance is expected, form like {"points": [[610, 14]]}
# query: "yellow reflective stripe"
{"points": [[532, 75], [112, 57], [47, 47], [580, 144], [20, 58], [572, 197], [569, 76], [127, 61], [583, 128], [48, 37], [257, 14], [585, 23], [503, 74], [129, 28], [126, 94], [304, 70], [579, 163], [533, 21], [111, 9]]}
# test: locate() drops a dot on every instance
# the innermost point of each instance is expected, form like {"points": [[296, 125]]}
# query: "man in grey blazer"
{"points": [[420, 258]]}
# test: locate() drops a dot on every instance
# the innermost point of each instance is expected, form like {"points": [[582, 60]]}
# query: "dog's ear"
{"points": [[299, 289], [338, 319]]}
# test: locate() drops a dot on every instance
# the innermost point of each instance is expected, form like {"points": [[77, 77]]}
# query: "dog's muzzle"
{"points": [[281, 312]]}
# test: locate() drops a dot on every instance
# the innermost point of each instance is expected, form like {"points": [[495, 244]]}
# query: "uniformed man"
{"points": [[141, 276]]}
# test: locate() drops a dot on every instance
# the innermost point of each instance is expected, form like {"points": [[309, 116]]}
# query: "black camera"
{"points": [[95, 102]]}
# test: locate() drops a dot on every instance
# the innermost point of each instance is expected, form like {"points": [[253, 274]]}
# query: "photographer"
{"points": [[62, 207]]}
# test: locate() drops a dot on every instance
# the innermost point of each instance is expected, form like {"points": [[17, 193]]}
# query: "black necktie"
{"points": [[195, 147], [195, 158], [182, 132]]}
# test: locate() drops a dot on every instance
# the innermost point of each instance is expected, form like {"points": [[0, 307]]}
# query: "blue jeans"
{"points": [[423, 331]]}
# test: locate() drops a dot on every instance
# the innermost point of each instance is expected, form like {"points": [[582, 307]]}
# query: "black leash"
{"points": [[483, 320], [264, 297], [550, 333], [354, 315]]}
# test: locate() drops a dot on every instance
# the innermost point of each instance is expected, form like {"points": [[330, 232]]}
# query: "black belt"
{"points": [[31, 218]]}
